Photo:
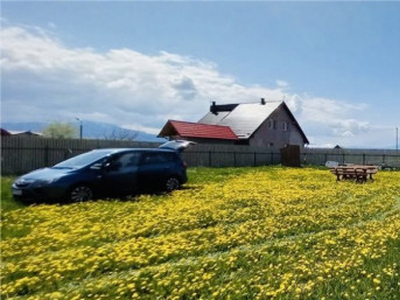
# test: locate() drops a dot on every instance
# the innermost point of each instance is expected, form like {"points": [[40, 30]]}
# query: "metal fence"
{"points": [[384, 158], [23, 154], [215, 158]]}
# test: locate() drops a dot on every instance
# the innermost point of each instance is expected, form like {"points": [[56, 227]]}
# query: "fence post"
{"points": [[209, 158], [383, 158], [255, 158], [234, 158], [363, 158], [344, 157], [46, 155], [272, 158]]}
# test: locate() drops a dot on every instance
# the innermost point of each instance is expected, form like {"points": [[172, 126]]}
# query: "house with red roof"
{"points": [[264, 124]]}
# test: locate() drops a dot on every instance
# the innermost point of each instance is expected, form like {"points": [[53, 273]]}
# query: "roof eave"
{"points": [[167, 127], [210, 138]]}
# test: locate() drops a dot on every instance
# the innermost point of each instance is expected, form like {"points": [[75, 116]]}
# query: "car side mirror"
{"points": [[107, 166], [97, 166], [112, 166]]}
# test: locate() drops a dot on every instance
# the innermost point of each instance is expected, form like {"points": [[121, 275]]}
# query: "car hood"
{"points": [[46, 174]]}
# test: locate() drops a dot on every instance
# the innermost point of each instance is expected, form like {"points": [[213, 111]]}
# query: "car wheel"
{"points": [[80, 193], [171, 184]]}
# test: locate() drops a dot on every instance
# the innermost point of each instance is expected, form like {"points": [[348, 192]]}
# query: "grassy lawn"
{"points": [[7, 203], [230, 233]]}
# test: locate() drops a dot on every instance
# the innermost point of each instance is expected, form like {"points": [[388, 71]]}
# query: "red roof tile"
{"points": [[197, 130]]}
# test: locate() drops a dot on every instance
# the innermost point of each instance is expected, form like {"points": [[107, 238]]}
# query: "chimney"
{"points": [[213, 108], [262, 101]]}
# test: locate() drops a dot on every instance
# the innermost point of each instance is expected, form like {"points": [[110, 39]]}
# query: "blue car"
{"points": [[106, 172]]}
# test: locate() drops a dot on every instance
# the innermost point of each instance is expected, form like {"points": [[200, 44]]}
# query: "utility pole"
{"points": [[80, 127]]}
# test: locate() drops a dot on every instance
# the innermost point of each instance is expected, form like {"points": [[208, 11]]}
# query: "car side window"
{"points": [[125, 161], [99, 164], [154, 158]]}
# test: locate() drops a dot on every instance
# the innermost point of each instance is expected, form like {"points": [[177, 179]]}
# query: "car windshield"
{"points": [[82, 160]]}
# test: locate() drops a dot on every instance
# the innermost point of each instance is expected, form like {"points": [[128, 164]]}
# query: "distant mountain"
{"points": [[91, 130]]}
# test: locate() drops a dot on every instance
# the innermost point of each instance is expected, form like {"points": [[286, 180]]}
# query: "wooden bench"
{"points": [[371, 172], [359, 173]]}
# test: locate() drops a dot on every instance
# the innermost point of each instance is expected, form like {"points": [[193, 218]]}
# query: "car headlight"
{"points": [[42, 182], [21, 182]]}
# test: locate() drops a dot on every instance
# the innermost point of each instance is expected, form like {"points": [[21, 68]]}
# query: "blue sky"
{"points": [[336, 64]]}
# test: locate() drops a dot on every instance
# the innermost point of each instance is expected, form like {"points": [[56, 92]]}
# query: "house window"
{"points": [[270, 145], [285, 126], [272, 124]]}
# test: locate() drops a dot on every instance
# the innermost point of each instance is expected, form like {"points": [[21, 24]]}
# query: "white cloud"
{"points": [[282, 83], [347, 134], [330, 118], [46, 80], [51, 25], [121, 86], [321, 109], [140, 127], [350, 127]]}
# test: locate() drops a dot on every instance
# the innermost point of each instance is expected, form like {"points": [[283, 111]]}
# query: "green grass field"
{"points": [[230, 233], [7, 203]]}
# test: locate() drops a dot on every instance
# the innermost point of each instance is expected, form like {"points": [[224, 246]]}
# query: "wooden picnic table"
{"points": [[359, 173]]}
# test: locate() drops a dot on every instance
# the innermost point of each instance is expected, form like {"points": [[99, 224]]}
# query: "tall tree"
{"points": [[121, 134], [59, 131]]}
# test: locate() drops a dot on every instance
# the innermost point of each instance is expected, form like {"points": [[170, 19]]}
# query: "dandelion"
{"points": [[290, 233]]}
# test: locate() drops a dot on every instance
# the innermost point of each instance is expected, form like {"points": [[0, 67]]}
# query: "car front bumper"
{"points": [[34, 193]]}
